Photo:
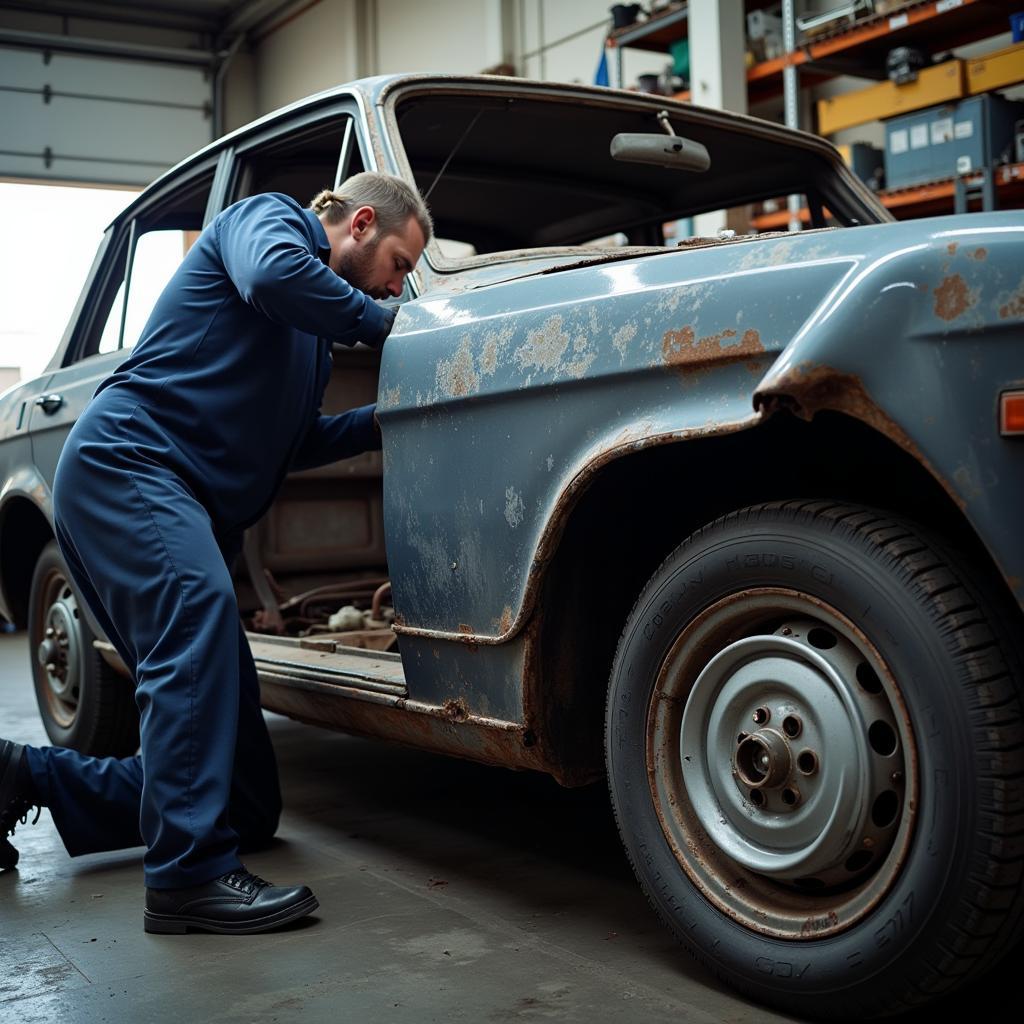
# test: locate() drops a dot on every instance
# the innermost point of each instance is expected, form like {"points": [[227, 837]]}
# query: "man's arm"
{"points": [[331, 438], [265, 250]]}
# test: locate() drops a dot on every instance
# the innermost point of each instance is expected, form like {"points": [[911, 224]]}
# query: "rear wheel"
{"points": [[813, 743], [83, 702]]}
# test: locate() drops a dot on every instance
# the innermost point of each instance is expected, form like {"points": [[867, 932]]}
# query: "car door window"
{"points": [[143, 258], [157, 256], [307, 160]]}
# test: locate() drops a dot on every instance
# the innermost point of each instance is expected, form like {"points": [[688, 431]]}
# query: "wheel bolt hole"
{"points": [[792, 726], [757, 798], [882, 738], [859, 860], [821, 638], [885, 808], [807, 762], [868, 678], [761, 716], [790, 797]]}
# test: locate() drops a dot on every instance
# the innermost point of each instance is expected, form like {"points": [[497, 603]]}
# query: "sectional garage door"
{"points": [[70, 117]]}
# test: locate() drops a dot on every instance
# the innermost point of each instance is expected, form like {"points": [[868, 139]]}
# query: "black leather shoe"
{"points": [[14, 804], [238, 903]]}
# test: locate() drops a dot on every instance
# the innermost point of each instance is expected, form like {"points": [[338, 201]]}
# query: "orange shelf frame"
{"points": [[948, 23], [921, 201]]}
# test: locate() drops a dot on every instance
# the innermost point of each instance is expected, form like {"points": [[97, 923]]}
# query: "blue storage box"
{"points": [[952, 139]]}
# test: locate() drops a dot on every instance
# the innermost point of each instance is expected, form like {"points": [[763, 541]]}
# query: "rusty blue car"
{"points": [[732, 520]]}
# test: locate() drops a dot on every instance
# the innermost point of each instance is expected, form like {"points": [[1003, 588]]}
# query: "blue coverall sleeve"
{"points": [[265, 249], [331, 438]]}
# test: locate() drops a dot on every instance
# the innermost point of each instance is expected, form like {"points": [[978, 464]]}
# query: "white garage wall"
{"points": [[318, 48], [311, 52], [453, 36]]}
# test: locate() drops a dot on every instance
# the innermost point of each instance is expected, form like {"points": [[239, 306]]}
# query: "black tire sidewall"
{"points": [[873, 957]]}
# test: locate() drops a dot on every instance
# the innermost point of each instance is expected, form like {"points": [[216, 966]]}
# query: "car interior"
{"points": [[503, 173]]}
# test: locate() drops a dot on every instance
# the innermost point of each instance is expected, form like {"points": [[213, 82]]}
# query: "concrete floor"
{"points": [[448, 892]]}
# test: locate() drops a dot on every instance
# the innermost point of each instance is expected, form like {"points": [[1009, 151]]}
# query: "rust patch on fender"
{"points": [[683, 348], [980, 253], [465, 629], [953, 298], [504, 624], [1015, 306], [951, 248], [457, 377]]}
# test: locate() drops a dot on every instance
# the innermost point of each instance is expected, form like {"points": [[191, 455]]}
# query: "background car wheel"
{"points": [[84, 703], [814, 746]]}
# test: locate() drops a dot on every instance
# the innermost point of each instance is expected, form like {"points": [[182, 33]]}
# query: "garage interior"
{"points": [[449, 890]]}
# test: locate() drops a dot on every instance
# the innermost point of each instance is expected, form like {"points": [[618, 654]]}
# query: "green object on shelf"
{"points": [[680, 51]]}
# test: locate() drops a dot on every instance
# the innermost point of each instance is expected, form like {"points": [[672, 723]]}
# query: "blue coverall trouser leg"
{"points": [[144, 555]]}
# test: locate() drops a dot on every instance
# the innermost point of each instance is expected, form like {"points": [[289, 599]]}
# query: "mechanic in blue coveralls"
{"points": [[181, 450]]}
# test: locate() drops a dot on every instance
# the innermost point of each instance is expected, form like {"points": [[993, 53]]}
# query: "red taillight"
{"points": [[1011, 413]]}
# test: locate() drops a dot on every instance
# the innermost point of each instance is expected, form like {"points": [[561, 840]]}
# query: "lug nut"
{"points": [[761, 716], [51, 668], [50, 633]]}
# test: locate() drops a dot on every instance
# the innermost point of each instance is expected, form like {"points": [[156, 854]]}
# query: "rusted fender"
{"points": [[20, 486], [918, 340], [499, 403]]}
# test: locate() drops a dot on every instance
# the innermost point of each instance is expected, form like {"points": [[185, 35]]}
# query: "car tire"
{"points": [[814, 751], [84, 703]]}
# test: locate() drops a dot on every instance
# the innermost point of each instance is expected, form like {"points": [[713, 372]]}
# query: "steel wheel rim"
{"points": [[58, 649], [812, 862]]}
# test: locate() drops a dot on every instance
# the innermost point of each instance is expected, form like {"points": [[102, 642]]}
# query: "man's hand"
{"points": [[389, 322]]}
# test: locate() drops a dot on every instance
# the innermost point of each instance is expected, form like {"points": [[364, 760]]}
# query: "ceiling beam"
{"points": [[50, 42]]}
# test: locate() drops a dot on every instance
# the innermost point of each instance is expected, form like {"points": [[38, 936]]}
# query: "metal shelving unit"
{"points": [[858, 50]]}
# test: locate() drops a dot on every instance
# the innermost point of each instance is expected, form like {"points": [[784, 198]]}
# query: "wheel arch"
{"points": [[24, 531], [639, 507]]}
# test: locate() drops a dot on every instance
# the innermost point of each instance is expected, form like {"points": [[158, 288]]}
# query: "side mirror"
{"points": [[661, 150]]}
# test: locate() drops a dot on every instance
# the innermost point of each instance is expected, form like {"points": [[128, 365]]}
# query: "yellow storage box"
{"points": [[996, 70], [934, 85]]}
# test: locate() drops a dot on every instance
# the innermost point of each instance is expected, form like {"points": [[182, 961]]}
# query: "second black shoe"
{"points": [[14, 803], [238, 903]]}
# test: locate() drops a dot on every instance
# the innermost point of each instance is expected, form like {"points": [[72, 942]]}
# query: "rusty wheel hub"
{"points": [[781, 764]]}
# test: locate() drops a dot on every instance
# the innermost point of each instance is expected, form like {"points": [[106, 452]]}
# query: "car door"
{"points": [[143, 250]]}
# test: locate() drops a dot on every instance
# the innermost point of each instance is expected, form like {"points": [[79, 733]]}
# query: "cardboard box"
{"points": [[938, 84], [996, 70]]}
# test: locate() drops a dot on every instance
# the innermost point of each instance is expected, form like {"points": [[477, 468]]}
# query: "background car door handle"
{"points": [[50, 403]]}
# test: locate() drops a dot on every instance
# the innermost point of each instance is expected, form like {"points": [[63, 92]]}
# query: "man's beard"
{"points": [[357, 267]]}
